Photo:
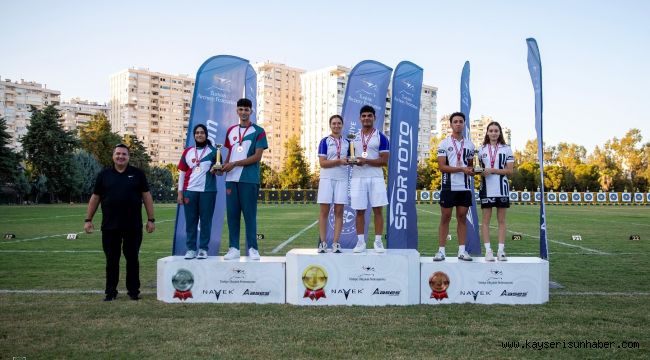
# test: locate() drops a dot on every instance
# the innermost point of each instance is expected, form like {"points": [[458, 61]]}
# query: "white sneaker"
{"points": [[336, 248], [190, 254], [489, 255], [232, 254], [203, 254], [439, 256], [379, 247], [322, 247], [253, 254], [360, 247], [501, 255], [464, 256]]}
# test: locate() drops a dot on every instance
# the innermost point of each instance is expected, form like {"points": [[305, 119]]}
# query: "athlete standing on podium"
{"points": [[455, 160], [333, 184], [368, 178], [246, 142], [498, 162]]}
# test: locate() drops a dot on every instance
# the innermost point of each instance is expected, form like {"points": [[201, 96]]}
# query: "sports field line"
{"points": [[40, 218], [95, 291], [537, 237], [292, 238], [57, 235]]}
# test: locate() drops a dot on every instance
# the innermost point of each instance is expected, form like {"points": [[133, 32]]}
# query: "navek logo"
{"points": [[347, 292], [475, 293], [218, 293]]}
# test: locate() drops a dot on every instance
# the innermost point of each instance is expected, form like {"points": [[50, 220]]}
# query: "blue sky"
{"points": [[594, 53]]}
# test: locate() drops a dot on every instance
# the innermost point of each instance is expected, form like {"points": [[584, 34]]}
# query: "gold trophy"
{"points": [[477, 164], [352, 159], [218, 165]]}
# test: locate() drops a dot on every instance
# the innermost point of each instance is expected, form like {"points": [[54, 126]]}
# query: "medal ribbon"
{"points": [[314, 294], [458, 153], [493, 156], [241, 137], [183, 295], [439, 295], [337, 141], [365, 141], [197, 158]]}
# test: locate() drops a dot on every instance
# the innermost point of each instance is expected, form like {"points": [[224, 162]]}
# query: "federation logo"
{"points": [[314, 278], [183, 281], [349, 216], [439, 283]]}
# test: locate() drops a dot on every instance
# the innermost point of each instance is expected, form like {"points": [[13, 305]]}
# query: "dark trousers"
{"points": [[113, 243], [241, 198]]}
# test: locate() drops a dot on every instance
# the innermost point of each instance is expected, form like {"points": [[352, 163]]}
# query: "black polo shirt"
{"points": [[121, 197]]}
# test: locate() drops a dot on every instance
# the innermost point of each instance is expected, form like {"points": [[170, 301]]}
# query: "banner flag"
{"points": [[535, 69], [220, 82], [402, 223], [473, 240], [367, 85]]}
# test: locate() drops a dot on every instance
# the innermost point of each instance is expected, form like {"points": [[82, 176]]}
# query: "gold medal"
{"points": [[439, 283], [314, 278]]}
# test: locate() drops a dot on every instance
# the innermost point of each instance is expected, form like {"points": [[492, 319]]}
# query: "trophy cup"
{"points": [[352, 159], [477, 164], [218, 165]]}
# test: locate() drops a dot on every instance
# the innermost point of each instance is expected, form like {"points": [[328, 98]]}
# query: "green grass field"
{"points": [[51, 291]]}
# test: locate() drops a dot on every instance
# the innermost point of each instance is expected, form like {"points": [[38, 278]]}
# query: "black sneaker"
{"points": [[134, 297], [110, 297]]}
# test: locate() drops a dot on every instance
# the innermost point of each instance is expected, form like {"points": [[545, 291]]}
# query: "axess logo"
{"points": [[476, 293], [347, 292], [514, 293], [256, 293], [219, 292], [386, 292]]}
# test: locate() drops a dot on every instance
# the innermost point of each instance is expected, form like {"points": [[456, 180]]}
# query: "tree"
{"points": [[529, 153], [295, 173], [173, 169], [429, 176], [87, 167], [49, 148], [22, 186], [138, 155], [161, 183], [570, 155], [586, 176], [553, 177], [40, 187], [269, 178], [9, 160], [97, 139], [629, 155], [525, 176], [609, 171]]}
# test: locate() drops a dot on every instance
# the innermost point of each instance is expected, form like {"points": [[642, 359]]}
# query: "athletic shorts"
{"points": [[450, 199], [498, 202], [332, 191], [362, 189]]}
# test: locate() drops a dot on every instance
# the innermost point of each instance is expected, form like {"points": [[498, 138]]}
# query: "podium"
{"points": [[368, 278], [214, 280], [520, 280]]}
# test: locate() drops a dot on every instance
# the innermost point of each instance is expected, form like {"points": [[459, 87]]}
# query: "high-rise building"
{"points": [[77, 112], [154, 107], [323, 92], [278, 108], [16, 99], [477, 129], [428, 116]]}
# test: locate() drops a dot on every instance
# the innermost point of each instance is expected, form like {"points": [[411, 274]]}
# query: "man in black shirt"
{"points": [[121, 190]]}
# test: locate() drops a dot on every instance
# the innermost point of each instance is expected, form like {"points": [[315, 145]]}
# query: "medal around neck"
{"points": [[218, 165]]}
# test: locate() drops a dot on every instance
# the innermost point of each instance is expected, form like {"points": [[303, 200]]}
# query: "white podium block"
{"points": [[214, 280], [373, 279], [520, 280]]}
